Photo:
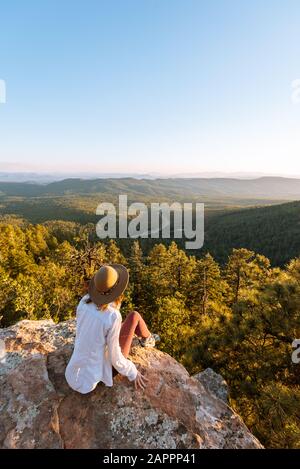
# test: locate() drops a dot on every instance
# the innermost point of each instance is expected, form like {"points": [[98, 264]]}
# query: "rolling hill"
{"points": [[262, 188]]}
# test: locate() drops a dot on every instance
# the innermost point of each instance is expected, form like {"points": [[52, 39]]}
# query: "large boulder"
{"points": [[39, 410]]}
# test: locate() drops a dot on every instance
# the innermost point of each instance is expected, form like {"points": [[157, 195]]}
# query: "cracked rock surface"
{"points": [[39, 410]]}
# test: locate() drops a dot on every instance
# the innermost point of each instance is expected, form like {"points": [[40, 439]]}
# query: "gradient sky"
{"points": [[150, 85]]}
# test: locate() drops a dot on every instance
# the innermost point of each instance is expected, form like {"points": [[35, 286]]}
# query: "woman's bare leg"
{"points": [[133, 324]]}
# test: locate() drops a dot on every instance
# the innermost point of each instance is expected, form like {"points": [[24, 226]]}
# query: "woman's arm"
{"points": [[124, 366]]}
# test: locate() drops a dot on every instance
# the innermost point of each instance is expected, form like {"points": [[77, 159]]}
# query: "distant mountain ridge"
{"points": [[10, 173], [263, 187]]}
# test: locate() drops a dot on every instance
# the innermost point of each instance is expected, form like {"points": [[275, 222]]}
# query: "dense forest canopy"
{"points": [[271, 230], [239, 317]]}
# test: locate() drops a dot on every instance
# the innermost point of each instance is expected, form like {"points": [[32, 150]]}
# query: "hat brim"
{"points": [[104, 298]]}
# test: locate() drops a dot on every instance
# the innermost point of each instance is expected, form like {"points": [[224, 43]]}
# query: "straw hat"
{"points": [[108, 283]]}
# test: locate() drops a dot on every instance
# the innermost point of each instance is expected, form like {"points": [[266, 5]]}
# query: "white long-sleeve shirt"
{"points": [[97, 349]]}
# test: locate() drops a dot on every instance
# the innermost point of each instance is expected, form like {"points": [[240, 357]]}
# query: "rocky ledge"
{"points": [[39, 410]]}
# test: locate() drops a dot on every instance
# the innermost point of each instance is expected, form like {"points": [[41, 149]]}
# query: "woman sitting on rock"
{"points": [[102, 341]]}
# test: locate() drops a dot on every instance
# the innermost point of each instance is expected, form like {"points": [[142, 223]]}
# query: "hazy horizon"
{"points": [[25, 175]]}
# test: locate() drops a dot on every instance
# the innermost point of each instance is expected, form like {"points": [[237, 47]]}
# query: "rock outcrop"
{"points": [[39, 410], [213, 383]]}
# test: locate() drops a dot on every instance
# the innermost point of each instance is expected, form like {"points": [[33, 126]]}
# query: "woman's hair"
{"points": [[104, 306]]}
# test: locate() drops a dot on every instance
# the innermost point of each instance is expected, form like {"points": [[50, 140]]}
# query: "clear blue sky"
{"points": [[150, 85]]}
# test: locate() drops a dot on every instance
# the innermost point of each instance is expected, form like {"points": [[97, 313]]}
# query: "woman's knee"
{"points": [[134, 315]]}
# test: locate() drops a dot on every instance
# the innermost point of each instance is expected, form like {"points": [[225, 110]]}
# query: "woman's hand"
{"points": [[140, 381]]}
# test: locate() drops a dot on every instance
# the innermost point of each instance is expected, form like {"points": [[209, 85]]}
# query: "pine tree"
{"points": [[209, 288], [137, 274]]}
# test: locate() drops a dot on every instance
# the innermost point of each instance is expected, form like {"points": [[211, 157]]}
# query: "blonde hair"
{"points": [[117, 302]]}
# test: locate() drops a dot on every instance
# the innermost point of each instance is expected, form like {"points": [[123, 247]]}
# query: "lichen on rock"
{"points": [[39, 410]]}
